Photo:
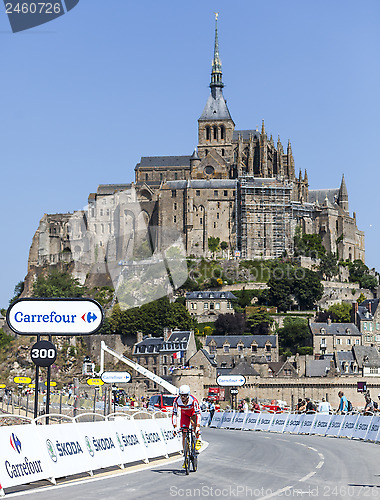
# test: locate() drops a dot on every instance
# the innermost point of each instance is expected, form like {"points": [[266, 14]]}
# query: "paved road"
{"points": [[244, 464]]}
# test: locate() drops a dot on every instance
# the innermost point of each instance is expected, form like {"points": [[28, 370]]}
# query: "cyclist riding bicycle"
{"points": [[190, 413]]}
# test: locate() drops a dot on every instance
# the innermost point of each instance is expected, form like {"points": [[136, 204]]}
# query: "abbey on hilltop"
{"points": [[238, 185]]}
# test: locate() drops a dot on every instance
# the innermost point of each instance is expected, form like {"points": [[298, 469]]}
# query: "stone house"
{"points": [[367, 319], [161, 355], [242, 346], [331, 337], [206, 306]]}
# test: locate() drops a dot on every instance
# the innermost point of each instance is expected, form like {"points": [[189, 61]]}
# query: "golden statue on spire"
{"points": [[216, 16]]}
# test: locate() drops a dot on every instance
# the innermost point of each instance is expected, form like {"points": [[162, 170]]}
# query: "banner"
{"points": [[152, 438], [348, 425], [373, 431], [264, 421], [251, 421], [334, 425], [279, 422], [216, 419], [173, 443], [22, 459], [320, 424], [227, 419], [294, 422], [239, 420], [205, 418], [362, 426], [129, 440], [64, 448], [307, 423]]}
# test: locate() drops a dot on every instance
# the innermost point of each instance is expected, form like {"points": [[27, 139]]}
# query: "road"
{"points": [[242, 464]]}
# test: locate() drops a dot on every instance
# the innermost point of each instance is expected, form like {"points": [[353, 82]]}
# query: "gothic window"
{"points": [[200, 221], [174, 193], [225, 192], [197, 192], [217, 215], [214, 225], [175, 206], [336, 225], [208, 134], [223, 152], [175, 219], [215, 130], [146, 177], [222, 135], [215, 193], [175, 176], [206, 152]]}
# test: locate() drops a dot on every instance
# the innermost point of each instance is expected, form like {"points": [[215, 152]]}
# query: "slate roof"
{"points": [[203, 184], [317, 367], [319, 195], [243, 368], [366, 356], [150, 345], [210, 295], [112, 188], [363, 312], [247, 340], [216, 107], [345, 356], [164, 161], [334, 329], [178, 341], [245, 134], [210, 357]]}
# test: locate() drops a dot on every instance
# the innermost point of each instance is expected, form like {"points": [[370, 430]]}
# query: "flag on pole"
{"points": [[178, 355]]}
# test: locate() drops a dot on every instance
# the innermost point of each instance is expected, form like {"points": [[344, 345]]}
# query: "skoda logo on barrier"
{"points": [[89, 447], [15, 443], [119, 441], [50, 449]]}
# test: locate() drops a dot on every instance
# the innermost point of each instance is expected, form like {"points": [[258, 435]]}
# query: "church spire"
{"points": [[216, 73], [343, 195]]}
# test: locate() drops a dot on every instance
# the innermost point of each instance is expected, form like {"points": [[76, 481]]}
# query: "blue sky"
{"points": [[86, 95]]}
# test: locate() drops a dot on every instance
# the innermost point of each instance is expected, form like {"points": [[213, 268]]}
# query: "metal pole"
{"points": [[36, 386], [60, 402], [105, 401], [93, 418], [47, 411], [76, 396], [27, 403]]}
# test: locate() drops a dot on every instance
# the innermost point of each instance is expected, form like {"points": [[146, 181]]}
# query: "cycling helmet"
{"points": [[184, 390]]}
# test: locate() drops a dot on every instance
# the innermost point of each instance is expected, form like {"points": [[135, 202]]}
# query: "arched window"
{"points": [[223, 152], [222, 132], [208, 134], [215, 129]]}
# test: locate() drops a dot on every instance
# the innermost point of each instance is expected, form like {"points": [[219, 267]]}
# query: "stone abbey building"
{"points": [[238, 185]]}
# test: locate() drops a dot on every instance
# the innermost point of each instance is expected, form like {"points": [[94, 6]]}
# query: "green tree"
{"points": [[361, 298], [309, 245], [307, 289], [260, 321], [340, 313], [19, 288], [213, 244], [224, 245], [294, 334], [58, 284], [359, 273], [328, 266]]}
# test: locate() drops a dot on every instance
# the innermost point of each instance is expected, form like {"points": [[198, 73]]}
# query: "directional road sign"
{"points": [[55, 316], [116, 377], [231, 380]]}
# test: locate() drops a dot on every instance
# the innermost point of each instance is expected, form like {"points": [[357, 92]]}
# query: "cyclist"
{"points": [[190, 413]]}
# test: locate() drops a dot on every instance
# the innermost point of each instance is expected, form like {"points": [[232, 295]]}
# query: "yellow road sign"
{"points": [[32, 386], [95, 381], [2, 386], [22, 380], [52, 384]]}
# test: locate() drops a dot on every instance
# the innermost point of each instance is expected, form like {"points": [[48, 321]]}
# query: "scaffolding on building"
{"points": [[266, 214]]}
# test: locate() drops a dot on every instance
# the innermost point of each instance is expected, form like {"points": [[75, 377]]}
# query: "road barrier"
{"points": [[32, 451], [352, 426]]}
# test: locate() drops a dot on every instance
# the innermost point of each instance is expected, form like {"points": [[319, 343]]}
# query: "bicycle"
{"points": [[190, 454]]}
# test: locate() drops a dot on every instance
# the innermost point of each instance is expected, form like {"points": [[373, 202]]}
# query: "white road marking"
{"points": [[308, 476], [275, 493]]}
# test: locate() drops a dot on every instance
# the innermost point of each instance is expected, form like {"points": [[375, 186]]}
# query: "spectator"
{"points": [[255, 406], [204, 405], [310, 406], [369, 407], [324, 407], [212, 410], [300, 406], [343, 404]]}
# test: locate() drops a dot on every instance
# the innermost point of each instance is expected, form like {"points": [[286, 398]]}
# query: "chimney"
{"points": [[355, 308], [139, 336], [167, 333], [329, 320], [369, 307]]}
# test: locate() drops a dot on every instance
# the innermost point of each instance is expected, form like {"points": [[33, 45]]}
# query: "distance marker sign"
{"points": [[55, 316]]}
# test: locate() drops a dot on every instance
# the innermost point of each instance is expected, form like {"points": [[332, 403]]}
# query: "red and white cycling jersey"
{"points": [[187, 411]]}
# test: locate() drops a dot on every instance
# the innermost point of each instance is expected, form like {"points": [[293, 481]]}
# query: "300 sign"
{"points": [[43, 353]]}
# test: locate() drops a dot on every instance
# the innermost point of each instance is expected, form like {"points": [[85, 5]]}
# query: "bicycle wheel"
{"points": [[186, 455], [194, 454]]}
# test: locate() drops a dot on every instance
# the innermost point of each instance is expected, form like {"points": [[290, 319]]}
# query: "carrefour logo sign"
{"points": [[55, 316]]}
